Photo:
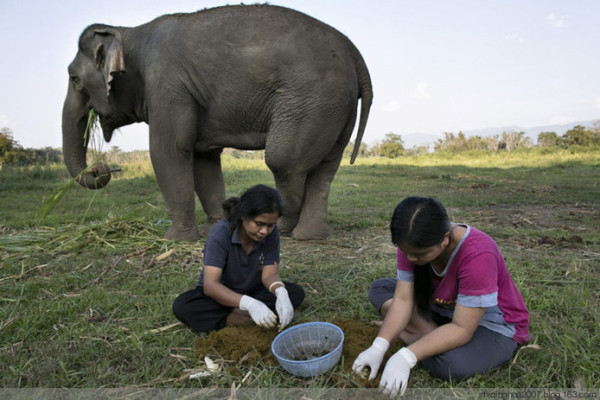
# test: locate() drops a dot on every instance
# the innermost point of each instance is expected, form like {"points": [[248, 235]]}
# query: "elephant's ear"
{"points": [[110, 59]]}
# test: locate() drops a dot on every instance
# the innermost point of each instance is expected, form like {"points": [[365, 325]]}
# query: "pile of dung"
{"points": [[249, 345]]}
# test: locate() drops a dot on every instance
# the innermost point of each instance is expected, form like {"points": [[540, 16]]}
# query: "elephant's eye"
{"points": [[76, 81]]}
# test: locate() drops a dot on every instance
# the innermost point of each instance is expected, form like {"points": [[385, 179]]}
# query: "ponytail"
{"points": [[423, 290], [231, 207]]}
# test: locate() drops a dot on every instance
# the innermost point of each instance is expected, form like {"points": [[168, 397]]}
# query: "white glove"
{"points": [[284, 308], [396, 372], [371, 357], [260, 313]]}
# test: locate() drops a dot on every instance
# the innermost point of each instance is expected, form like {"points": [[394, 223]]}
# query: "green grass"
{"points": [[84, 292]]}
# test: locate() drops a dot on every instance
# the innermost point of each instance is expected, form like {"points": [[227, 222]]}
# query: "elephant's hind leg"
{"points": [[304, 154], [286, 159], [291, 188], [312, 223]]}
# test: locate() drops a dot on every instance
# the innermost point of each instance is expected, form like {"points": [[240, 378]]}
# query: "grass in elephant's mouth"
{"points": [[85, 297], [91, 135]]}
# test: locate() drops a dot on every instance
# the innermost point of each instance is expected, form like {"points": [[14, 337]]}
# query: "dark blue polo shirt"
{"points": [[241, 271]]}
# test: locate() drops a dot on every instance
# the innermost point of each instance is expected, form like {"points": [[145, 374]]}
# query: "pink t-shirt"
{"points": [[476, 276]]}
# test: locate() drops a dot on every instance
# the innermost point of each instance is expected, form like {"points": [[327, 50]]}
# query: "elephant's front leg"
{"points": [[173, 166], [210, 187]]}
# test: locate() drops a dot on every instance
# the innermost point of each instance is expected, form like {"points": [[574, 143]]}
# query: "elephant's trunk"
{"points": [[74, 122]]}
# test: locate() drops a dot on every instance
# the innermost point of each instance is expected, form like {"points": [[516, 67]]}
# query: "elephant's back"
{"points": [[244, 60], [261, 18], [263, 29]]}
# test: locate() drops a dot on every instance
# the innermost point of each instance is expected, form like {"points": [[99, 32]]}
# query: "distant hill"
{"points": [[425, 139]]}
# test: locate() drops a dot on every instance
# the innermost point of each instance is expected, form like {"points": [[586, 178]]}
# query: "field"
{"points": [[86, 292]]}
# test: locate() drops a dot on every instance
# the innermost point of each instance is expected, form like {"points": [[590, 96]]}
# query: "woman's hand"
{"points": [[283, 305], [284, 308], [259, 312], [396, 372], [371, 357]]}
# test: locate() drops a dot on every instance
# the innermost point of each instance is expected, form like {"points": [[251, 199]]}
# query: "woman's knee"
{"points": [[380, 291], [185, 302], [296, 294], [486, 351], [443, 367], [178, 308]]}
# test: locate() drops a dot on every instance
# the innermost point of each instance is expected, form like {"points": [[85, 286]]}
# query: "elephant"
{"points": [[248, 77]]}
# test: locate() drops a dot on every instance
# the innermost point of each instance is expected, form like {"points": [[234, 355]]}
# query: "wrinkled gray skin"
{"points": [[247, 77]]}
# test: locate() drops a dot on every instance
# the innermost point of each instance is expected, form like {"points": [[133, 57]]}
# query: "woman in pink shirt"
{"points": [[453, 302]]}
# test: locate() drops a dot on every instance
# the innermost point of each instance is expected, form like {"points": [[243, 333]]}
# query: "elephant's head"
{"points": [[91, 79]]}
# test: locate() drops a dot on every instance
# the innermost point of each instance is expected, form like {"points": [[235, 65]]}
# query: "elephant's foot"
{"points": [[185, 235], [286, 225], [311, 232], [207, 226]]}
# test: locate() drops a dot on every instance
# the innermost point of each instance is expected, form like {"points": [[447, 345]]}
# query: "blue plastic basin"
{"points": [[308, 349]]}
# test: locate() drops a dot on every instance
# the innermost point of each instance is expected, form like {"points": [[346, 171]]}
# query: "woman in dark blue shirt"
{"points": [[240, 279]]}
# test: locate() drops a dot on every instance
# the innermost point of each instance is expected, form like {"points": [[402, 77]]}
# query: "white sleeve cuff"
{"points": [[409, 356], [381, 344]]}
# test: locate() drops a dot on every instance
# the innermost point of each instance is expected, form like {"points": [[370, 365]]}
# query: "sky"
{"points": [[436, 65]]}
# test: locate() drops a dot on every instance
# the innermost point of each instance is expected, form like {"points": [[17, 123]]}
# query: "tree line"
{"points": [[391, 146], [12, 153]]}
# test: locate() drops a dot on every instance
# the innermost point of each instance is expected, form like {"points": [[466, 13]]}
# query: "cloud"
{"points": [[422, 91], [392, 107], [514, 36], [598, 102], [556, 21]]}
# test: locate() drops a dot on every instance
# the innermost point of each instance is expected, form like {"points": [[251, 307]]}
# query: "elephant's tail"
{"points": [[365, 93]]}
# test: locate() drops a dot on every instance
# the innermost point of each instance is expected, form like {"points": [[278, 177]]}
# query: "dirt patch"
{"points": [[564, 241], [577, 218], [250, 345], [562, 224], [480, 185]]}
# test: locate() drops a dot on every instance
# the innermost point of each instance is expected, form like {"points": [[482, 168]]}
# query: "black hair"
{"points": [[420, 222], [257, 200]]}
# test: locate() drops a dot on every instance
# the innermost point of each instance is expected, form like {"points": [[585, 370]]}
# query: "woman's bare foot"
{"points": [[405, 336], [409, 338], [238, 317]]}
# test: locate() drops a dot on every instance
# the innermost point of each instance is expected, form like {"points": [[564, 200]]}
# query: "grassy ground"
{"points": [[85, 294]]}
